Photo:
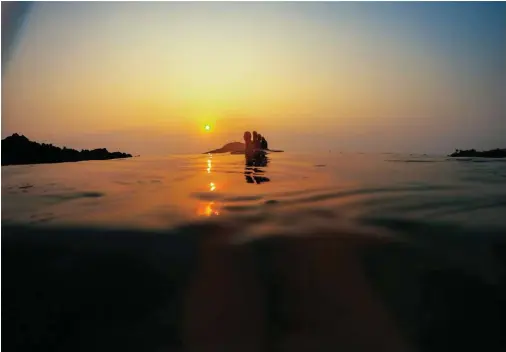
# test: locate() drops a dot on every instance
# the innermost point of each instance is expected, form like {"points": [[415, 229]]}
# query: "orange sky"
{"points": [[147, 77]]}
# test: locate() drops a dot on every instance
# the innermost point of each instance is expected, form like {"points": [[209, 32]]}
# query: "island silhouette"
{"points": [[494, 153], [234, 147], [237, 148], [19, 150]]}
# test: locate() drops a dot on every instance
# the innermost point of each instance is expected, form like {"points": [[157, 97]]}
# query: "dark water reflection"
{"points": [[201, 287], [254, 169]]}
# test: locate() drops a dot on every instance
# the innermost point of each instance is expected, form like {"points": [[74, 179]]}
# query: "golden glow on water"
{"points": [[165, 192], [152, 191], [209, 209]]}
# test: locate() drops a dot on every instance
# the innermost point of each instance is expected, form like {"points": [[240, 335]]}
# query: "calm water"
{"points": [[292, 193], [310, 252]]}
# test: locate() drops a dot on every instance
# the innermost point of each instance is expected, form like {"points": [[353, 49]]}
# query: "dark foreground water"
{"points": [[335, 252]]}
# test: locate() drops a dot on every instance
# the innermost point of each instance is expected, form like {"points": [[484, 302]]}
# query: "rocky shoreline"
{"points": [[494, 153], [19, 150]]}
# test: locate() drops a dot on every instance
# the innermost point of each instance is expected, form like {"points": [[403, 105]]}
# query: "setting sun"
{"points": [[330, 128], [324, 72]]}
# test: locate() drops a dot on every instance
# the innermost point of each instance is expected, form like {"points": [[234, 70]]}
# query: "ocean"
{"points": [[307, 252]]}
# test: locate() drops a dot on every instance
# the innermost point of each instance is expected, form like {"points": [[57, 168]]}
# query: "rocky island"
{"points": [[471, 153], [234, 147], [19, 150]]}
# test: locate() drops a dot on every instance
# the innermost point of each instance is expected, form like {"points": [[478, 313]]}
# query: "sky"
{"points": [[145, 78]]}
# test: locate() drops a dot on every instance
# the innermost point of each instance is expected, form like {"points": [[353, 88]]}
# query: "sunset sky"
{"points": [[147, 77]]}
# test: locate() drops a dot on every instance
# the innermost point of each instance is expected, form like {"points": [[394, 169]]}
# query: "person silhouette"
{"points": [[260, 141], [255, 140], [263, 143], [247, 138], [249, 145], [254, 158]]}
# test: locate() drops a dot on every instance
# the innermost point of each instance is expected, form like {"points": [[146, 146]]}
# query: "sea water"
{"points": [[350, 251]]}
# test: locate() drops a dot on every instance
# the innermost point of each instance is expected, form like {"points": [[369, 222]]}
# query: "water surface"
{"points": [[166, 192], [308, 252]]}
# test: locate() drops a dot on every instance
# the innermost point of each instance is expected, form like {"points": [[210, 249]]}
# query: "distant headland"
{"points": [[471, 153], [19, 150]]}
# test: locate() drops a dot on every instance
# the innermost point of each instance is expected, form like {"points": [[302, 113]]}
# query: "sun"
{"points": [[207, 127]]}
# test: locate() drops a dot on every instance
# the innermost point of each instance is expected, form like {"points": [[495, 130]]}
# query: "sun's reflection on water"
{"points": [[210, 208]]}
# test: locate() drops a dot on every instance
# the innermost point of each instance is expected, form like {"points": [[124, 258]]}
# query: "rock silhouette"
{"points": [[234, 147], [237, 148], [19, 150], [494, 153]]}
